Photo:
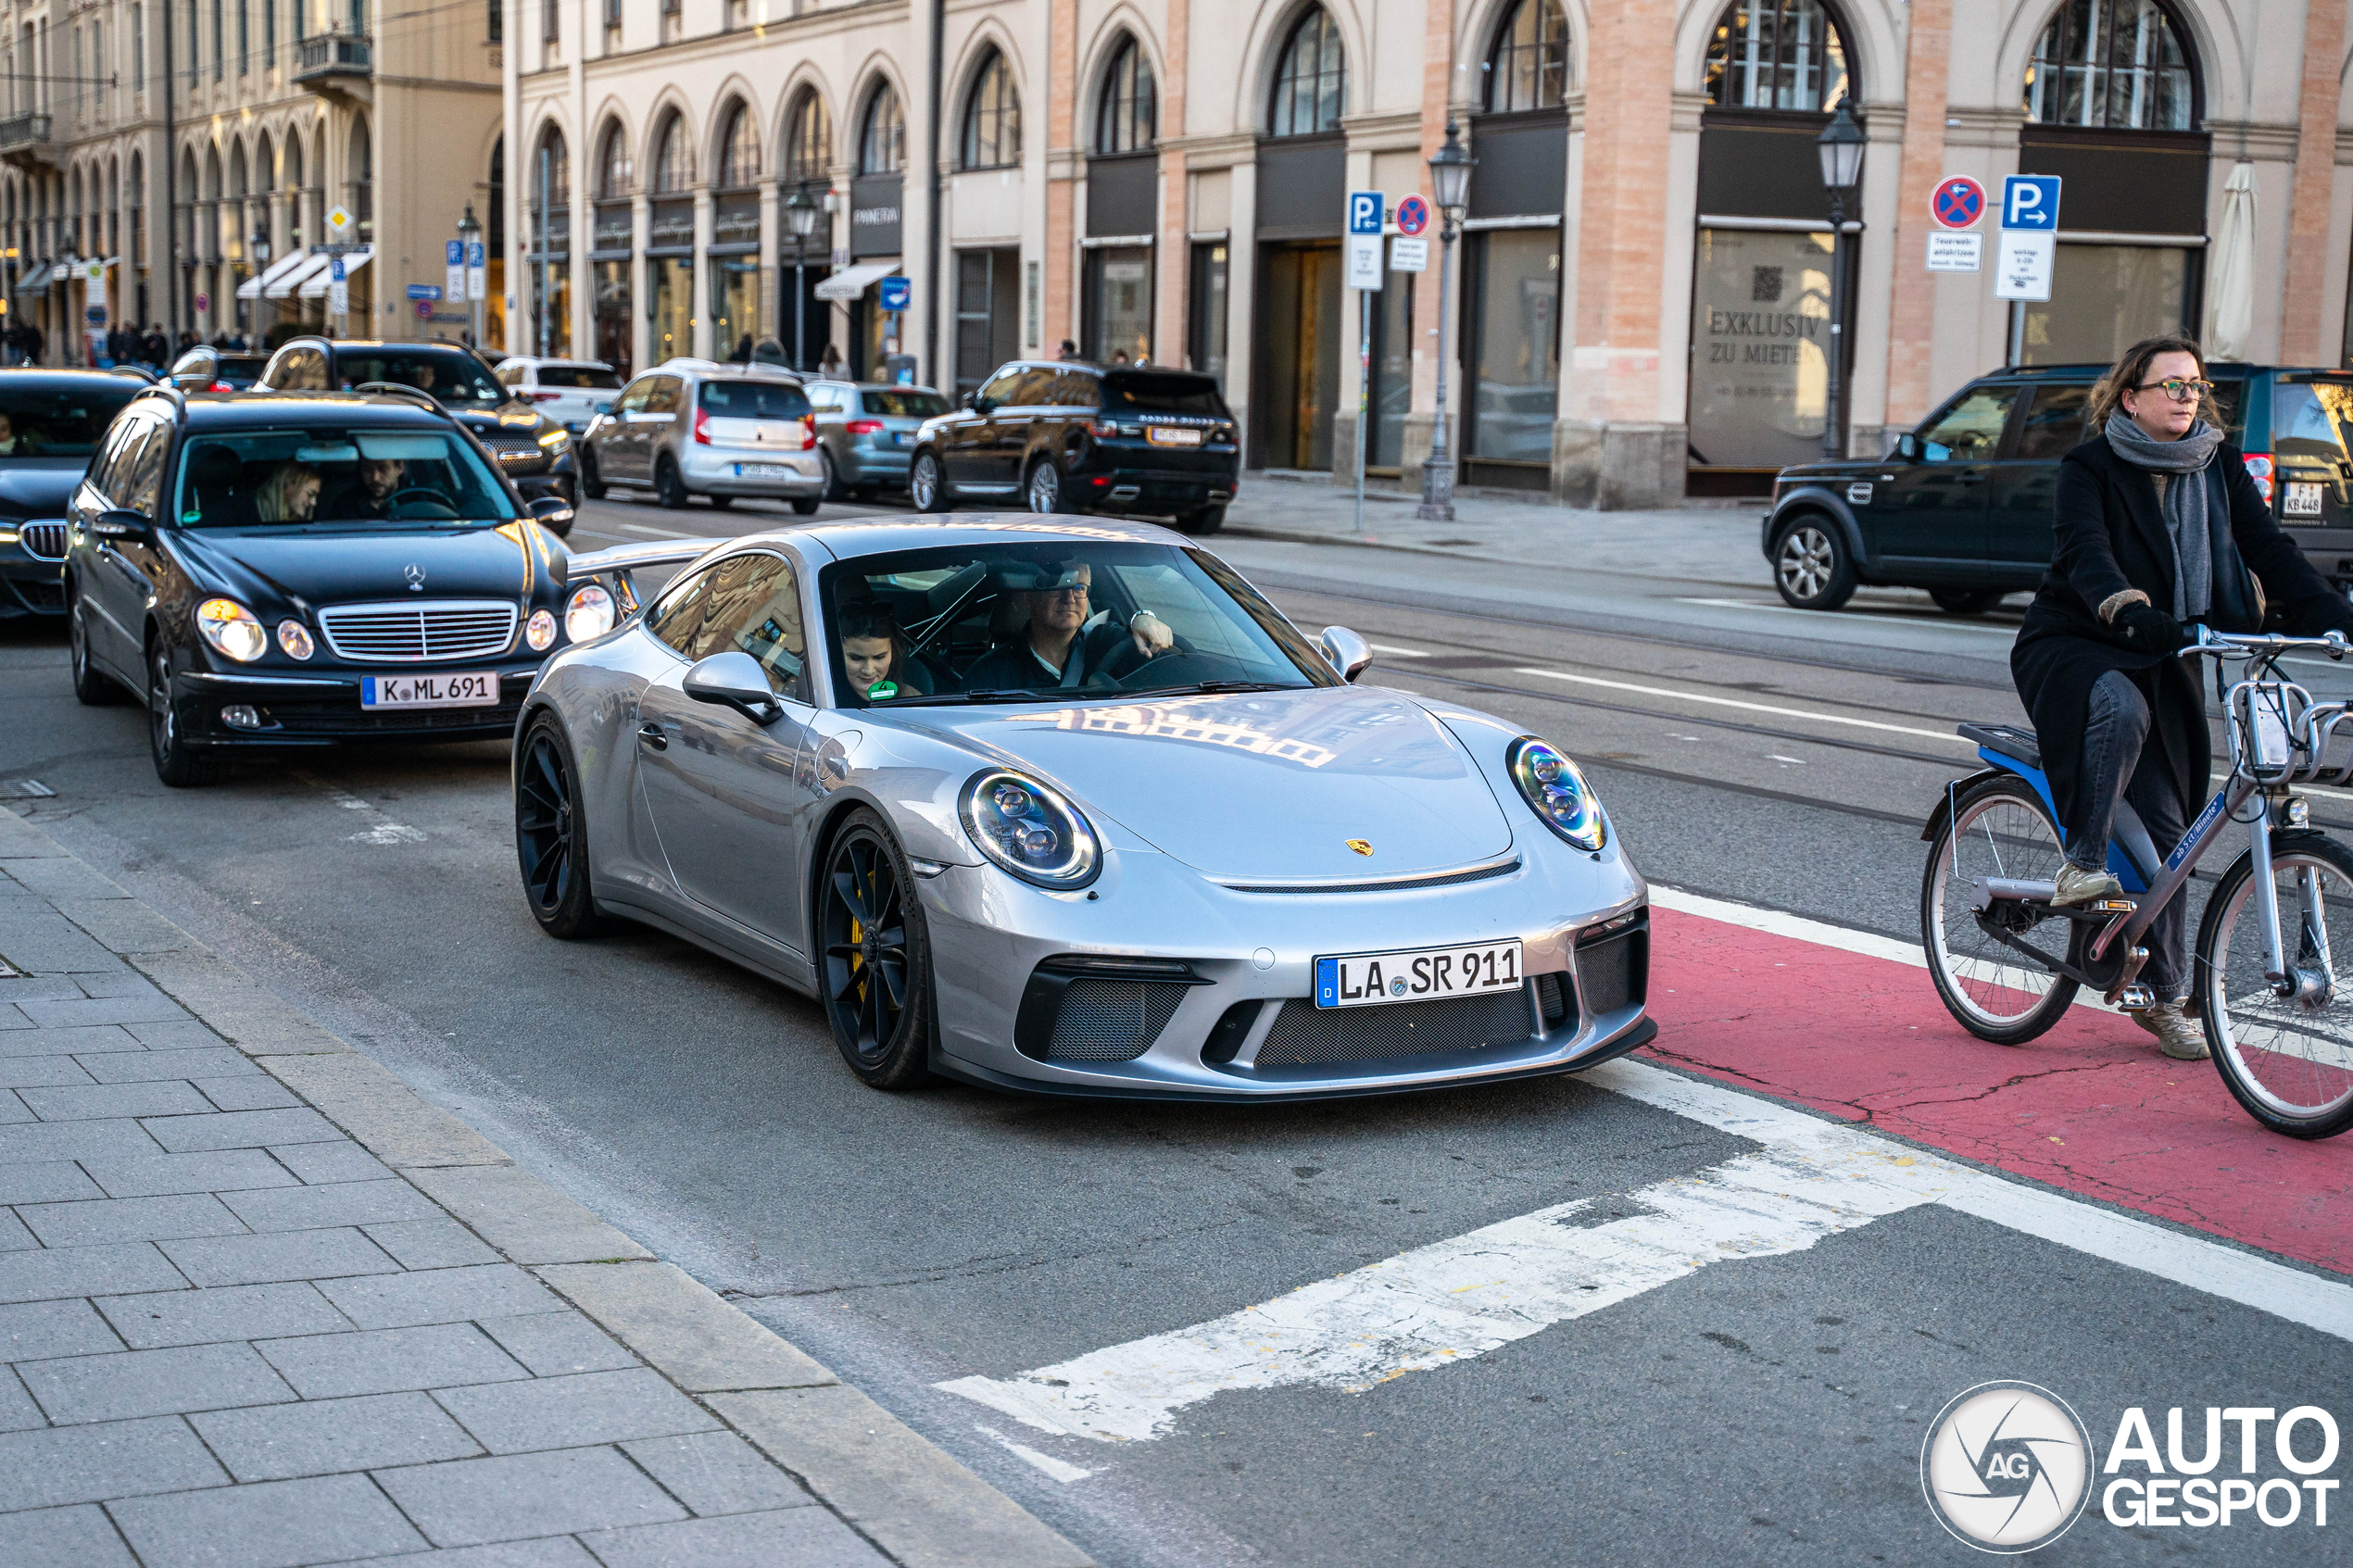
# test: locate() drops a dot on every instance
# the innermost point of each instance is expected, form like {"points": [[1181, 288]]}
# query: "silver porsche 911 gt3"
{"points": [[1069, 808]]}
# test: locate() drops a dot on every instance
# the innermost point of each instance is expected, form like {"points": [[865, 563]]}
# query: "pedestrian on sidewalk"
{"points": [[2158, 528]]}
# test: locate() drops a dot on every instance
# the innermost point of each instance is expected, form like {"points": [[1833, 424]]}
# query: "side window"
{"points": [[1969, 430], [1035, 387], [194, 372], [142, 476], [662, 398], [2053, 423], [1001, 386], [826, 399], [509, 375], [305, 370], [1076, 389], [633, 397], [107, 470], [747, 603]]}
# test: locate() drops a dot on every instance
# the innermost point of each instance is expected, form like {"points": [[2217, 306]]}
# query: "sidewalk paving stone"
{"points": [[120, 982], [97, 1101], [54, 1274], [341, 1203], [102, 1010], [38, 1330], [716, 1472], [42, 1071], [59, 1180], [84, 1039], [199, 1061], [174, 1035], [439, 1243], [558, 1413], [130, 1219], [19, 1412], [56, 877], [215, 1316], [317, 1162], [803, 1538], [273, 1525], [470, 1501], [548, 1551], [121, 1459], [326, 1437], [496, 1290], [241, 1129], [152, 1175], [553, 1343], [81, 1536], [74, 1140], [258, 1260], [14, 1237], [130, 1384], [14, 1110], [246, 1094], [387, 1361]]}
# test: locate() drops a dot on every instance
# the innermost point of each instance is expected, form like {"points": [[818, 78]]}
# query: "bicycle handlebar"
{"points": [[2223, 643]]}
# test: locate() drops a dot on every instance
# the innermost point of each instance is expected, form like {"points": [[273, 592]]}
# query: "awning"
{"points": [[284, 283], [316, 287], [251, 288], [851, 282], [36, 280]]}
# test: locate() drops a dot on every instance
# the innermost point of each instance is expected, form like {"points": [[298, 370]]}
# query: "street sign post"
{"points": [[338, 289], [1413, 216], [2027, 255], [1365, 210], [424, 291], [1955, 253], [453, 258], [477, 274], [1408, 253], [2031, 201], [1958, 202]]}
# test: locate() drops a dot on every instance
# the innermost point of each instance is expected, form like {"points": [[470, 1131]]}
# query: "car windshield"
{"points": [[578, 376], [1161, 392], [38, 422], [2309, 421], [1054, 618], [753, 400], [325, 477], [452, 377], [897, 404]]}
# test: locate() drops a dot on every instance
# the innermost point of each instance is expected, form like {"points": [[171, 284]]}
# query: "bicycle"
{"points": [[2278, 1021]]}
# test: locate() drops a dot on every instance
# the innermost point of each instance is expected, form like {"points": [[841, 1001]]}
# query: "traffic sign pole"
{"points": [[1366, 209], [2028, 255]]}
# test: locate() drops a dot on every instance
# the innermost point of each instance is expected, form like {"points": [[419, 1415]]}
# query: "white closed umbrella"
{"points": [[2233, 315]]}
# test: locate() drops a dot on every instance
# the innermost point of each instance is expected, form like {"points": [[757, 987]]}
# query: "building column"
{"points": [[1911, 327], [1063, 167], [2308, 303], [641, 284], [1437, 101], [1172, 273], [701, 293], [772, 239], [1619, 445]]}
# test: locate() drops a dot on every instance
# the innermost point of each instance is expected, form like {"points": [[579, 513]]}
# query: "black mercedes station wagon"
{"points": [[50, 423], [1961, 505], [1068, 436], [273, 572]]}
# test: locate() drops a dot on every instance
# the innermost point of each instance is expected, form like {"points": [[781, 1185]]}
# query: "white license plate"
{"points": [[1417, 974], [1172, 436], [473, 689], [2303, 500], [766, 470]]}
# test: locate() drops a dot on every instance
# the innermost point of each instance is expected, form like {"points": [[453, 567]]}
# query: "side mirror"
{"points": [[120, 524], [1350, 654], [1907, 447], [552, 511], [604, 407], [970, 400], [734, 680]]}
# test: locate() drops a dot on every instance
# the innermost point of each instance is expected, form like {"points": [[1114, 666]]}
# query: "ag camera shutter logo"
{"points": [[2007, 1467]]}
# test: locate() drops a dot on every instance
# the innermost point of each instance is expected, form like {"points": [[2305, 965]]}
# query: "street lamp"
{"points": [[800, 216], [259, 241], [1450, 170], [1841, 147], [469, 235]]}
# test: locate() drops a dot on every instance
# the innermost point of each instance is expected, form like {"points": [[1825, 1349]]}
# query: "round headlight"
{"points": [[1030, 830], [295, 638], [588, 614], [540, 630], [229, 627], [1558, 792]]}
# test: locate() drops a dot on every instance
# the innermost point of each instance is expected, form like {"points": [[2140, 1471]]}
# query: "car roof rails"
{"points": [[416, 395]]}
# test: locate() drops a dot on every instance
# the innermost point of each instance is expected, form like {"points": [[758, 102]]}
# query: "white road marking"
{"points": [[1401, 653], [384, 831], [653, 533], [1945, 735], [1060, 1470], [1890, 617]]}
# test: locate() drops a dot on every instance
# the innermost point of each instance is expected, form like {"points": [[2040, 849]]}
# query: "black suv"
{"points": [[1962, 505], [534, 450], [50, 423], [1068, 436]]}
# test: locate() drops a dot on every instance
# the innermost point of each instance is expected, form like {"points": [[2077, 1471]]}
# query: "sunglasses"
{"points": [[2179, 390]]}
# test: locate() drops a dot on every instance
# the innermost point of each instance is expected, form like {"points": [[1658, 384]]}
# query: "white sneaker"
{"points": [[2177, 1035], [2077, 885]]}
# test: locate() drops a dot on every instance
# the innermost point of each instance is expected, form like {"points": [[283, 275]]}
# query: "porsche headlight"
{"points": [[1558, 792], [540, 630], [588, 614], [1030, 830], [229, 628]]}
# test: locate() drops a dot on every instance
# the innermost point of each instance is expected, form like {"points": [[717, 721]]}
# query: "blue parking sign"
{"points": [[894, 292], [1365, 212], [2031, 201], [456, 253]]}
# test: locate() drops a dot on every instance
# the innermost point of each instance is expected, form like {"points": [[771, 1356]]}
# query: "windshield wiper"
{"points": [[976, 696], [1213, 688]]}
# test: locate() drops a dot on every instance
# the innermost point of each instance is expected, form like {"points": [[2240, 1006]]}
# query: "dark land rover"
{"points": [[1962, 505]]}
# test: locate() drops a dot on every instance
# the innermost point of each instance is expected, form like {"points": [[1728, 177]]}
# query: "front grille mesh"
{"points": [[1606, 971], [1305, 1035], [515, 452], [44, 540], [1111, 1020], [404, 634]]}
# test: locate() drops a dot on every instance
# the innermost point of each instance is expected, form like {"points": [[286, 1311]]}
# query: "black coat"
{"points": [[2112, 536]]}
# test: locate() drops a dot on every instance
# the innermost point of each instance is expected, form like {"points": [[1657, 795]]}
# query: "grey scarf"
{"points": [[2184, 504]]}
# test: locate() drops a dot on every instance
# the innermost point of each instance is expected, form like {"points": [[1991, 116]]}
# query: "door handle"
{"points": [[650, 733], [1969, 479]]}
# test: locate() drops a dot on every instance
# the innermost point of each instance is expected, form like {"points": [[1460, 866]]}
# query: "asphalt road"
{"points": [[1765, 1411]]}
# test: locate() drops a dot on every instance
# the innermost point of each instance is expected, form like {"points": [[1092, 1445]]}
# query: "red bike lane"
{"points": [[2090, 1108]]}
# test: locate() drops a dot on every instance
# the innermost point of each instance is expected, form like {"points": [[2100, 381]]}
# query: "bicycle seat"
{"points": [[2018, 746]]}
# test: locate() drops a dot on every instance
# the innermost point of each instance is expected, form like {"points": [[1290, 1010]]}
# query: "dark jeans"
{"points": [[2119, 765]]}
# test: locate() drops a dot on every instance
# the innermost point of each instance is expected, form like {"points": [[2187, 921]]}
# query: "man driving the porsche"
{"points": [[1056, 648]]}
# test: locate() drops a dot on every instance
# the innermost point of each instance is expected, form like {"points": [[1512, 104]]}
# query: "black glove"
{"points": [[2149, 630]]}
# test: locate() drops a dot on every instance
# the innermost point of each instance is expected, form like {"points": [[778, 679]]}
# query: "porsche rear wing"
{"points": [[617, 564]]}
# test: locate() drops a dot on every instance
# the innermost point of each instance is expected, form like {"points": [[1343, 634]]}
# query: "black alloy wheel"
{"points": [[551, 839], [927, 485], [90, 688], [178, 764], [1965, 601], [1200, 524], [669, 489], [592, 483], [1043, 492], [874, 968], [1810, 564]]}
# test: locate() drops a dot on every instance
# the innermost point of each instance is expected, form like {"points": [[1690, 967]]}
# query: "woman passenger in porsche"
{"points": [[873, 653]]}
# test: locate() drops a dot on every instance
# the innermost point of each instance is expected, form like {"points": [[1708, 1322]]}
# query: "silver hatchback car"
{"points": [[696, 427]]}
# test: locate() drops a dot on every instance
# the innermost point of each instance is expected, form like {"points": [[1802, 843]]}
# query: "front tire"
{"points": [[669, 489], [927, 483], [1811, 567], [592, 484], [875, 962], [2284, 1058], [1042, 491], [178, 764], [1998, 828], [90, 688], [551, 836]]}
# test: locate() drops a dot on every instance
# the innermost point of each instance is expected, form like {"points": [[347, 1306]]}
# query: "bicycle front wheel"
{"points": [[2288, 1059], [1999, 828]]}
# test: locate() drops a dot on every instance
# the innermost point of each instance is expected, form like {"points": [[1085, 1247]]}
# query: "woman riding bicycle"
{"points": [[2157, 526]]}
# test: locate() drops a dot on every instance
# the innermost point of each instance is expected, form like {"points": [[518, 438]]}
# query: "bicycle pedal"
{"points": [[2115, 906], [2132, 998]]}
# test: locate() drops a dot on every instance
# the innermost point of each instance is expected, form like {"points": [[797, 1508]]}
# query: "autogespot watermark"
{"points": [[2010, 1467]]}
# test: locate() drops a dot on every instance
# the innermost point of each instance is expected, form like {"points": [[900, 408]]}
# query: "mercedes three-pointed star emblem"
{"points": [[416, 575]]}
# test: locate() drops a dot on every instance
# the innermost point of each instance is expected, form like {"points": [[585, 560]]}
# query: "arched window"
{"points": [[993, 115], [212, 174], [2117, 65], [557, 169], [265, 166], [808, 139], [882, 141], [1529, 68], [1310, 81], [1776, 55], [739, 149], [671, 169], [1127, 117], [238, 183], [612, 165]]}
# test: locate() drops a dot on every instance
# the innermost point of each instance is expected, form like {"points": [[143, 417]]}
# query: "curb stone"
{"points": [[914, 1502]]}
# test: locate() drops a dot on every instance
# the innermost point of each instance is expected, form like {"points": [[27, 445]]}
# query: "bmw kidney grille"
{"points": [[44, 540]]}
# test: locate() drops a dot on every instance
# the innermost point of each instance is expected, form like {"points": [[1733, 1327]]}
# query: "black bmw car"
{"points": [[50, 423], [298, 569]]}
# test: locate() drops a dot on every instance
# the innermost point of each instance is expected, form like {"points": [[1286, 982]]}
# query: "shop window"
{"points": [[1760, 324], [1515, 350], [2105, 298], [2117, 65], [1119, 303], [1206, 330]]}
